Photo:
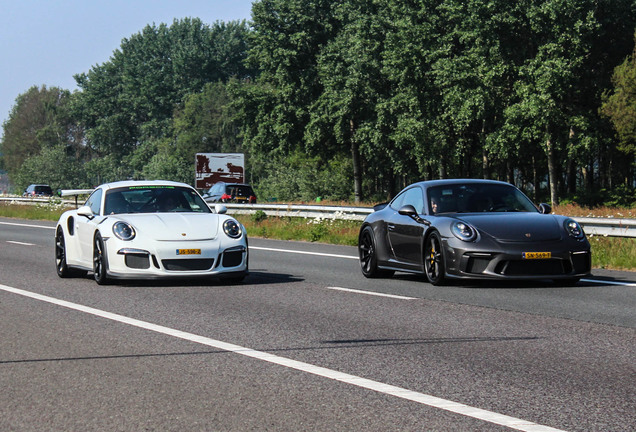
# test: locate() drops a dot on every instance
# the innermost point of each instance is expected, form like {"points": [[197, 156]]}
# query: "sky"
{"points": [[46, 42]]}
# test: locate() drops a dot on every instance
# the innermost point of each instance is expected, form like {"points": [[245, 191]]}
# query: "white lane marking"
{"points": [[421, 398], [304, 252], [26, 225], [20, 243], [605, 282], [372, 293]]}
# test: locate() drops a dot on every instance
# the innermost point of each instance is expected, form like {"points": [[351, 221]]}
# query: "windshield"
{"points": [[477, 198], [153, 199]]}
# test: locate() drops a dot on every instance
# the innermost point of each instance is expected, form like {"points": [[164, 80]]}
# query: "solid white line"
{"points": [[20, 243], [304, 252], [455, 407], [26, 225], [372, 293], [605, 282]]}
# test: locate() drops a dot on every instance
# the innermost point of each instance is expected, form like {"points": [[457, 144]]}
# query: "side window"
{"points": [[414, 197], [95, 201], [396, 204]]}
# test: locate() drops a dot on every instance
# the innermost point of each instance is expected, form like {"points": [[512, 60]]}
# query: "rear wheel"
{"points": [[368, 255], [100, 263], [434, 260]]}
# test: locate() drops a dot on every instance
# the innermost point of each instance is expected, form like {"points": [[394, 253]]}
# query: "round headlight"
{"points": [[232, 228], [574, 229], [464, 231], [123, 231]]}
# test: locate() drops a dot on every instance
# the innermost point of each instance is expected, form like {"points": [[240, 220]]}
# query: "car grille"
{"points": [[550, 267], [232, 259], [137, 261], [188, 264]]}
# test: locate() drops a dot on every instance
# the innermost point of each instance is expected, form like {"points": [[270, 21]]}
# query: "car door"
{"points": [[405, 234], [85, 227]]}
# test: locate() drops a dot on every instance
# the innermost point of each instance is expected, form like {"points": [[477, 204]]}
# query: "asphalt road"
{"points": [[307, 343]]}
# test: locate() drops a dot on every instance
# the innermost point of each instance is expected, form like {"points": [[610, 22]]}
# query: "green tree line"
{"points": [[352, 100]]}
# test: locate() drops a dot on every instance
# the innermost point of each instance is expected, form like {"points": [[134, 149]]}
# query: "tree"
{"points": [[40, 119], [287, 38], [620, 105], [130, 100]]}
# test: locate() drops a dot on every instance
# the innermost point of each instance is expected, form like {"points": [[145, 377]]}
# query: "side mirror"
{"points": [[220, 209], [545, 208], [409, 210], [86, 212]]}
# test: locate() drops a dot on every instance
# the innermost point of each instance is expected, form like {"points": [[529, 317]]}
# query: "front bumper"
{"points": [[493, 260], [160, 259]]}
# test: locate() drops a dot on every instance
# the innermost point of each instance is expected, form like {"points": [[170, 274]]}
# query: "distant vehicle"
{"points": [[230, 193], [149, 229], [38, 190], [471, 229]]}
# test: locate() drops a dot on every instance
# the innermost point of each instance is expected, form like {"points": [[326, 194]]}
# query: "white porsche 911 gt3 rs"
{"points": [[149, 229]]}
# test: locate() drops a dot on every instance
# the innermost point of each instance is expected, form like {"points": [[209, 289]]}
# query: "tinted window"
{"points": [[46, 190], [412, 196], [94, 201], [152, 199], [477, 198]]}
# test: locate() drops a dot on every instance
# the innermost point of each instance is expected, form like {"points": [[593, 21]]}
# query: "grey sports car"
{"points": [[473, 229]]}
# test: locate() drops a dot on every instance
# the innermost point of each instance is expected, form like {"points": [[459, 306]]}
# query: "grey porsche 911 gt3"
{"points": [[471, 229]]}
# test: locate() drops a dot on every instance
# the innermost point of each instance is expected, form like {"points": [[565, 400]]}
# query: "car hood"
{"points": [[516, 227], [175, 226]]}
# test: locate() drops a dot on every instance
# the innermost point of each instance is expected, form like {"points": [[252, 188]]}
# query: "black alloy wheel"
{"points": [[368, 255], [99, 261], [62, 268], [434, 260], [60, 255]]}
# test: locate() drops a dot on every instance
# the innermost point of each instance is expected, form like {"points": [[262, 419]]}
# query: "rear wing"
{"points": [[75, 193]]}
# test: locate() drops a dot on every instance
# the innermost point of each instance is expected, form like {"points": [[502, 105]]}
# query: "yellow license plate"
{"points": [[537, 255], [188, 251]]}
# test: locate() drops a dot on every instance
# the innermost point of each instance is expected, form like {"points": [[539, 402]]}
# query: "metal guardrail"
{"points": [[611, 227]]}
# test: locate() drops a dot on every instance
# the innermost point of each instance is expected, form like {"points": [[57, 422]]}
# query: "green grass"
{"points": [[616, 253], [340, 232]]}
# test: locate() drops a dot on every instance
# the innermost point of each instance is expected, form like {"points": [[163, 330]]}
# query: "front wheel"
{"points": [[368, 255], [100, 263], [434, 260], [62, 268]]}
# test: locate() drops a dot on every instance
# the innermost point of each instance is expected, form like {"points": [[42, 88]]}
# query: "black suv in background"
{"points": [[230, 192], [38, 190]]}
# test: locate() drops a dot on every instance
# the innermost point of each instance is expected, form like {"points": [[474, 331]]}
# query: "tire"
{"points": [[62, 268], [100, 263], [368, 255], [434, 265]]}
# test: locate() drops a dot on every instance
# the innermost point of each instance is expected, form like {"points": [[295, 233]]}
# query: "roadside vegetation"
{"points": [[607, 252]]}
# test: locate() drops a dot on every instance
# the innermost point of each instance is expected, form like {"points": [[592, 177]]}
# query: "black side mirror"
{"points": [[409, 210], [545, 208]]}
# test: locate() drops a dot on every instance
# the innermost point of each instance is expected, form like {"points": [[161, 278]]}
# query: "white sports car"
{"points": [[149, 229]]}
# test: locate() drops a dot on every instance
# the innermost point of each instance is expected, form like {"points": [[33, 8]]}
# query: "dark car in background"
{"points": [[38, 190], [231, 193]]}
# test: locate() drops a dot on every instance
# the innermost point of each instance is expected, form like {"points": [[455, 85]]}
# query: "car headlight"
{"points": [[574, 229], [123, 231], [464, 231], [232, 228]]}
